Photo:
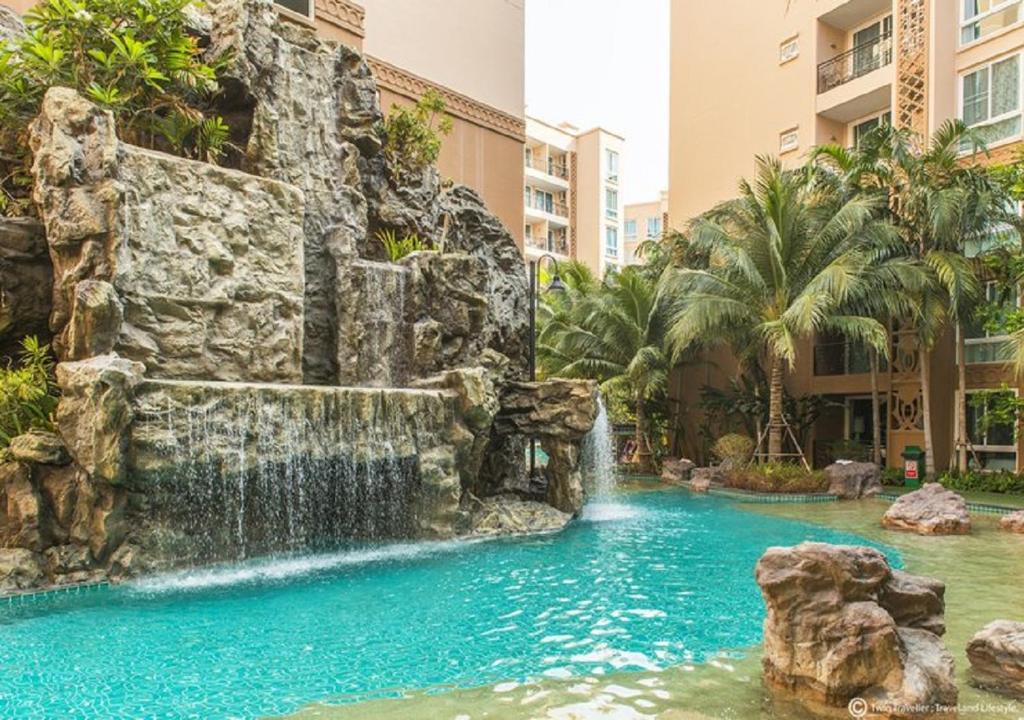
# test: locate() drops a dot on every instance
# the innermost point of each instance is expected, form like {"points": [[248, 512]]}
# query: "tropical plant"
{"points": [[412, 136], [785, 261], [397, 248], [28, 395], [135, 58], [776, 477], [999, 481], [939, 205], [613, 333]]}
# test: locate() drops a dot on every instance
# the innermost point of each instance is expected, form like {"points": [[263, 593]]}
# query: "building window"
{"points": [[863, 127], [983, 17], [872, 47], [654, 227], [992, 439], [303, 8], [611, 203], [612, 162], [528, 196], [611, 242], [990, 100], [789, 140], [789, 50], [629, 229], [984, 346]]}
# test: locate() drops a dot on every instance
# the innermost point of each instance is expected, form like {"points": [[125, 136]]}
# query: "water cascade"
{"points": [[598, 457], [266, 469], [374, 344]]}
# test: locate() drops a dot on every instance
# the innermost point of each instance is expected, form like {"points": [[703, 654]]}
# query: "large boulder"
{"points": [[509, 515], [853, 480], [1013, 522], [915, 601], [702, 478], [932, 510], [26, 280], [676, 470], [996, 653], [831, 635], [39, 446], [95, 413], [24, 522], [20, 569]]}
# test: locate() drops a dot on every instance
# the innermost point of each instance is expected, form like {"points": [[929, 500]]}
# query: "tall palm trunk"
{"points": [[961, 401], [876, 411], [775, 411], [643, 444], [926, 412]]}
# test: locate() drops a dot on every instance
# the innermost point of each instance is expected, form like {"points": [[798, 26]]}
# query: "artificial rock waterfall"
{"points": [[241, 372]]}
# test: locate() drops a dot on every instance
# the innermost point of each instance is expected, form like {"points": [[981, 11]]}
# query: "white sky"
{"points": [[605, 62]]}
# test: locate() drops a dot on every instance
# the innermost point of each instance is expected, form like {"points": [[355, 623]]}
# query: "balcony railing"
{"points": [[553, 208], [554, 244], [854, 63], [549, 166], [843, 358]]}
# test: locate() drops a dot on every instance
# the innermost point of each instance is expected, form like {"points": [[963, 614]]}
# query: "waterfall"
{"points": [[598, 457], [383, 348], [259, 475]]}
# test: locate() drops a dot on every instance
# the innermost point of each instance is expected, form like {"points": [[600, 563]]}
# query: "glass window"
{"points": [[528, 196], [993, 440], [789, 50], [653, 227], [612, 161], [611, 242], [872, 47], [301, 7], [611, 203], [789, 140], [864, 127], [630, 228], [984, 346], [982, 17], [990, 100]]}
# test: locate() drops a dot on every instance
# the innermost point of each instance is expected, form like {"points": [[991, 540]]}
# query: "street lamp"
{"points": [[556, 285]]}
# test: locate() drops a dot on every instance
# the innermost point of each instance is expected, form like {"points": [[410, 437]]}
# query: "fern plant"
{"points": [[397, 248], [28, 394], [135, 58]]}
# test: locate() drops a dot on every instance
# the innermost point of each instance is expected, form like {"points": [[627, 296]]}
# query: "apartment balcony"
{"points": [[556, 213], [857, 82], [549, 173], [538, 245]]}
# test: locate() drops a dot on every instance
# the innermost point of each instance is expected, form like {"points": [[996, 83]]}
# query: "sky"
{"points": [[605, 62]]}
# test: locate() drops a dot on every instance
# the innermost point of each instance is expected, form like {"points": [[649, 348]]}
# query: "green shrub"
{"points": [[776, 478], [733, 449], [996, 481], [892, 476], [135, 58], [397, 248], [28, 395], [412, 135]]}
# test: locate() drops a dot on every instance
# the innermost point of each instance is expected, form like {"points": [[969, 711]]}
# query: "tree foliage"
{"points": [[413, 135], [135, 58], [28, 394]]}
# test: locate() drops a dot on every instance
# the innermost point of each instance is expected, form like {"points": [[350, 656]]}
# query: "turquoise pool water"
{"points": [[653, 580]]}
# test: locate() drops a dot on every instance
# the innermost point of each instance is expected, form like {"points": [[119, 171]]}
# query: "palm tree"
{"points": [[937, 204], [614, 334], [785, 261]]}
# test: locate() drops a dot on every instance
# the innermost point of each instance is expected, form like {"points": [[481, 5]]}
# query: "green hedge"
{"points": [[998, 481], [776, 478]]}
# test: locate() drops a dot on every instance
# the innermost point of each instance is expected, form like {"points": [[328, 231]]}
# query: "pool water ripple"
{"points": [[650, 581]]}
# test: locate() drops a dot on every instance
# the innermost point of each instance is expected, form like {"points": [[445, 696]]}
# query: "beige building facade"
{"points": [[642, 222], [471, 51], [822, 71], [572, 197]]}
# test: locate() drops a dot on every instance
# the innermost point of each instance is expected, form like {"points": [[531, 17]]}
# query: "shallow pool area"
{"points": [[650, 581]]}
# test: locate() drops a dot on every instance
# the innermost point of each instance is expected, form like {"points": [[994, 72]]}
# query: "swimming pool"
{"points": [[653, 580]]}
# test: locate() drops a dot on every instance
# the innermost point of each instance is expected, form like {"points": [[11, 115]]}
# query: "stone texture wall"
{"points": [[26, 283], [205, 262]]}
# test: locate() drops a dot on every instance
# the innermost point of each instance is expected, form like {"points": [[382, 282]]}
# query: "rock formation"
{"points": [[676, 470], [841, 624], [932, 510], [26, 283], [853, 480], [191, 302], [1013, 522], [996, 653]]}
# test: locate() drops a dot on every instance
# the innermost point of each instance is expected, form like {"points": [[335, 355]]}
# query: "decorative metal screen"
{"points": [[912, 65]]}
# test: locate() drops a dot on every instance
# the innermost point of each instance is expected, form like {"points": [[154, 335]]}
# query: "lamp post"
{"points": [[556, 285]]}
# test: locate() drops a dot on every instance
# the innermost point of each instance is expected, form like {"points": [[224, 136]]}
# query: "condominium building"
{"points": [[571, 195], [781, 76], [643, 221], [471, 51]]}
